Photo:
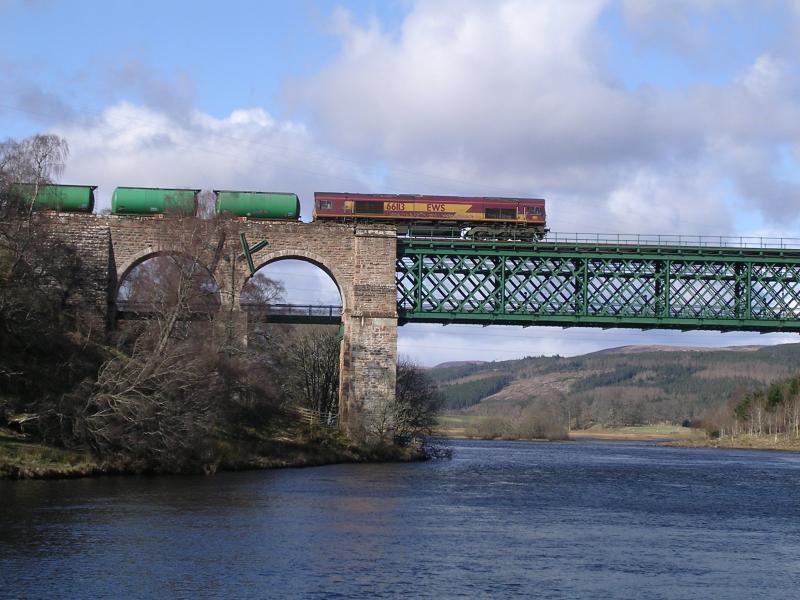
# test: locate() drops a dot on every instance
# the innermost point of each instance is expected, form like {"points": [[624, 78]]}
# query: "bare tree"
{"points": [[312, 369], [170, 282], [159, 401], [206, 204], [41, 356], [417, 402], [261, 291], [411, 414]]}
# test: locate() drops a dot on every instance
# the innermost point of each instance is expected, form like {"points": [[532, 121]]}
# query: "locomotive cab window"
{"points": [[500, 213], [325, 204], [535, 210], [369, 207]]}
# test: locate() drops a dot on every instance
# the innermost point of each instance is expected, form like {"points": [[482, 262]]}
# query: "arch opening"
{"points": [[163, 282], [293, 286], [294, 308]]}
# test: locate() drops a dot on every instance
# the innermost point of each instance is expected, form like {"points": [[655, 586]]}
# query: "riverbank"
{"points": [[283, 444], [742, 442], [469, 427], [663, 432]]}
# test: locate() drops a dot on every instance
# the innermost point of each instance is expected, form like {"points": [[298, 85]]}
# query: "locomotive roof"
{"points": [[390, 196]]}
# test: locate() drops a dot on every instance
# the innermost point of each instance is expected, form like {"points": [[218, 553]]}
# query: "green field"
{"points": [[458, 421], [658, 429]]}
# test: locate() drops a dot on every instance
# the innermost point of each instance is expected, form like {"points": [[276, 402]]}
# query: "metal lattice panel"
{"points": [[775, 291], [707, 288]]}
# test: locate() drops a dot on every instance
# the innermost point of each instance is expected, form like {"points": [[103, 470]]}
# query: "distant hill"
{"points": [[630, 385], [664, 348], [458, 363]]}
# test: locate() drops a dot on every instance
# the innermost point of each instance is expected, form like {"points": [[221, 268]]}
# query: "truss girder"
{"points": [[610, 288]]}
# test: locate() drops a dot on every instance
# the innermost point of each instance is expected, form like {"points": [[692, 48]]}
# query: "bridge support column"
{"points": [[367, 375], [369, 347]]}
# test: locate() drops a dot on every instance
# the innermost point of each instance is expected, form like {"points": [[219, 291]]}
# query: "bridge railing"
{"points": [[331, 311], [695, 241], [128, 306], [295, 310], [622, 239]]}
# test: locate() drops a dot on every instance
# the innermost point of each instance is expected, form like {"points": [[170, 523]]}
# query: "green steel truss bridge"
{"points": [[728, 284]]}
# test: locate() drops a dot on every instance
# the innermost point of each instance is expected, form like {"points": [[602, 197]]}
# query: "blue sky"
{"points": [[708, 47], [228, 54], [633, 116]]}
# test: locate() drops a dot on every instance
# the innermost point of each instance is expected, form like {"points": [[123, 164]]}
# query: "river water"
{"points": [[543, 520]]}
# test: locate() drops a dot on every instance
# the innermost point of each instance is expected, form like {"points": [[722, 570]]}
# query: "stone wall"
{"points": [[94, 284]]}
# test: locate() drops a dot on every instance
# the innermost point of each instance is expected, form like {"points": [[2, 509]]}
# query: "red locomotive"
{"points": [[476, 217]]}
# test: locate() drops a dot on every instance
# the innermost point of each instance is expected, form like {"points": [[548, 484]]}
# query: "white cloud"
{"points": [[682, 202], [132, 77], [514, 98], [249, 149]]}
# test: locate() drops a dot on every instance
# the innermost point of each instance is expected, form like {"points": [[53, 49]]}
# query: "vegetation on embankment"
{"points": [[767, 418], [282, 443]]}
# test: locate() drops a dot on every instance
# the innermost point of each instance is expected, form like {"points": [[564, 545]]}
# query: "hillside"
{"points": [[630, 385]]}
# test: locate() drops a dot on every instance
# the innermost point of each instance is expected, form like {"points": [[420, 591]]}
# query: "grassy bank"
{"points": [[21, 459], [284, 443], [642, 433], [457, 426], [466, 426], [742, 442]]}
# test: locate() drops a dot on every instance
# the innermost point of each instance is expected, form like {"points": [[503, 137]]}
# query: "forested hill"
{"points": [[622, 386]]}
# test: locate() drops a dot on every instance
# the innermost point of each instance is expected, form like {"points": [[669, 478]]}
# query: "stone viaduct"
{"points": [[360, 260]]}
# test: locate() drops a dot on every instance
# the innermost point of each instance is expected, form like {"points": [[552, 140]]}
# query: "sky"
{"points": [[628, 116]]}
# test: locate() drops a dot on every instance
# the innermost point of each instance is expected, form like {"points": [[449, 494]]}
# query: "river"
{"points": [[501, 519]]}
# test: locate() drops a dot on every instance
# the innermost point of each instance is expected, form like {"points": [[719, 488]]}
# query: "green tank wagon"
{"points": [[153, 201], [63, 198], [258, 205]]}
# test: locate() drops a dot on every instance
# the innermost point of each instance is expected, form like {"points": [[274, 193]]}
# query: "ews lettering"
{"points": [[435, 207]]}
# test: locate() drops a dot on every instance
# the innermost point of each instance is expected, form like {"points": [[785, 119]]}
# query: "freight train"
{"points": [[474, 217]]}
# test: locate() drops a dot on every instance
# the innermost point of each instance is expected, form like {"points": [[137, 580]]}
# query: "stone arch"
{"points": [[144, 255], [339, 279]]}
